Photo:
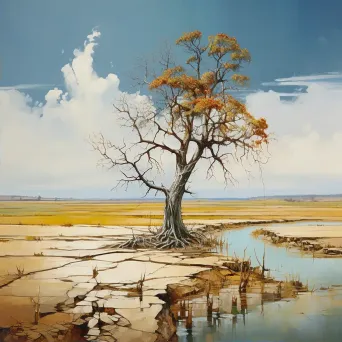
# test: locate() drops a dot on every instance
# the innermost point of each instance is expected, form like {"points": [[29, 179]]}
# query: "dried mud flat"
{"points": [[319, 239], [70, 284]]}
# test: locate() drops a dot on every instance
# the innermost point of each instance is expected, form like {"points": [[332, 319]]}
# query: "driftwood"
{"points": [[262, 265], [36, 304], [245, 273]]}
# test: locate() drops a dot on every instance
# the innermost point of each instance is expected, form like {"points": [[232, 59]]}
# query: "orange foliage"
{"points": [[221, 44], [164, 78], [176, 78], [185, 82], [241, 55], [208, 78], [189, 36], [191, 59], [203, 94], [240, 79], [231, 66], [236, 107], [260, 127], [207, 104]]}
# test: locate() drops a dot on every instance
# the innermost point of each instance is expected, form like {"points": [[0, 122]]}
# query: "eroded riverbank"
{"points": [[320, 239]]}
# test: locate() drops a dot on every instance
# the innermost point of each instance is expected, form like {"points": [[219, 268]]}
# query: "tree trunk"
{"points": [[173, 221], [174, 231]]}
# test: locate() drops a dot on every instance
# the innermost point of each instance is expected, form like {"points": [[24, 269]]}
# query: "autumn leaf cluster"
{"points": [[209, 93]]}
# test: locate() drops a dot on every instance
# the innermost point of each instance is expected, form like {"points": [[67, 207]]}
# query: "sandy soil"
{"points": [[308, 231]]}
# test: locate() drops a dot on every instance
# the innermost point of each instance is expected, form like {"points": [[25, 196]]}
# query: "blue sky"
{"points": [[286, 38]]}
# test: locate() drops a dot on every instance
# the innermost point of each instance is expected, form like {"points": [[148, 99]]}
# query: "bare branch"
{"points": [[103, 146]]}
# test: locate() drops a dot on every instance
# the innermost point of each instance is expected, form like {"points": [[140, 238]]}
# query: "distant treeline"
{"points": [[27, 198], [287, 198]]}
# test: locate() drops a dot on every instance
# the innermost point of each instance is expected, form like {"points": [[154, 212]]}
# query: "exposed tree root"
{"points": [[165, 240]]}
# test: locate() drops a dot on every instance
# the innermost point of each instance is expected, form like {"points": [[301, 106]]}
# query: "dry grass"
{"points": [[20, 271], [151, 213], [33, 238], [67, 224], [257, 232]]}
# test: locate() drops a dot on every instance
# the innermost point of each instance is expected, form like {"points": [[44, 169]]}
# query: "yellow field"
{"points": [[151, 213]]}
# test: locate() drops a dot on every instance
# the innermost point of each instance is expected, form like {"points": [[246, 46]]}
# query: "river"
{"points": [[314, 316]]}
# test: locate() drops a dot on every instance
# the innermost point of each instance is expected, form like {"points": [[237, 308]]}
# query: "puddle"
{"points": [[309, 317], [284, 263]]}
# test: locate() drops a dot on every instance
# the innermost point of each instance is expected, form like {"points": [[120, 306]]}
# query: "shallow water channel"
{"points": [[313, 316]]}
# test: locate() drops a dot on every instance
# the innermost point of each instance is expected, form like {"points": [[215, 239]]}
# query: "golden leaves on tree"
{"points": [[208, 78], [260, 127], [191, 59], [242, 56], [240, 79], [222, 44], [207, 93], [189, 36], [231, 66], [207, 104]]}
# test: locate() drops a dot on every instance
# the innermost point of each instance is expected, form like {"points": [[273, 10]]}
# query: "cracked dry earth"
{"points": [[54, 266]]}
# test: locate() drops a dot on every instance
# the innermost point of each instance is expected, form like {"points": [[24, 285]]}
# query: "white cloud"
{"points": [[44, 149], [25, 86], [288, 94], [308, 132], [327, 76], [331, 80], [91, 37]]}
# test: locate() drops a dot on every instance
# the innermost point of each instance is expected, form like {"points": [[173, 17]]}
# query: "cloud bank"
{"points": [[44, 148], [26, 86]]}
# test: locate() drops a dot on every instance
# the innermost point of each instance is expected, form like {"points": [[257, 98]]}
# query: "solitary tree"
{"points": [[193, 117]]}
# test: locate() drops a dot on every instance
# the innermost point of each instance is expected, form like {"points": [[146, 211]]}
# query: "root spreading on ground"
{"points": [[165, 240]]}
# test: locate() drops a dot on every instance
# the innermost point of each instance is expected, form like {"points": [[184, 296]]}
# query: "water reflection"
{"points": [[261, 314], [230, 304], [284, 263], [255, 317]]}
